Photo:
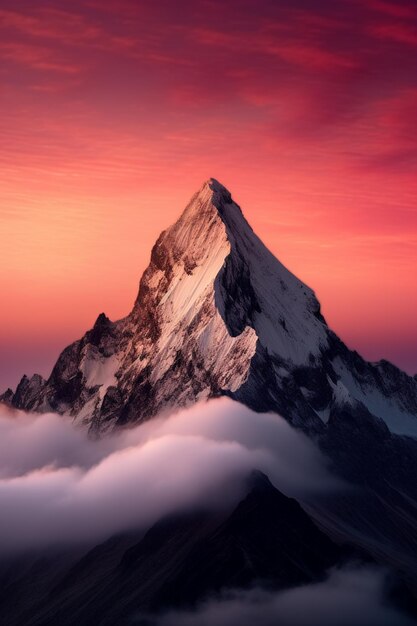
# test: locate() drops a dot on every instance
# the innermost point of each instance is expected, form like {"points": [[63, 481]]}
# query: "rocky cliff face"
{"points": [[217, 314]]}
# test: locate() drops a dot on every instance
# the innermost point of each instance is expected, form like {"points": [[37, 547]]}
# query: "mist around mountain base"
{"points": [[62, 490]]}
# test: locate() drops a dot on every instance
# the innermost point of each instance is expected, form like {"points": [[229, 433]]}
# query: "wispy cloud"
{"points": [[278, 42], [76, 490], [51, 23], [37, 57], [395, 9], [400, 33], [348, 597]]}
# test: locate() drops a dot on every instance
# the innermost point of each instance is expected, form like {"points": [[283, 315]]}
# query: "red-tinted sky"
{"points": [[113, 113]]}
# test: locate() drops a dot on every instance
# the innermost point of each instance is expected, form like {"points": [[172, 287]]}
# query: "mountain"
{"points": [[217, 314]]}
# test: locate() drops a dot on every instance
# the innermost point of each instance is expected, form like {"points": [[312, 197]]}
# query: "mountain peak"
{"points": [[216, 314], [212, 194], [215, 185], [210, 270], [218, 191]]}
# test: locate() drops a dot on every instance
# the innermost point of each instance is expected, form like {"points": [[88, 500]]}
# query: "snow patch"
{"points": [[398, 420], [99, 370]]}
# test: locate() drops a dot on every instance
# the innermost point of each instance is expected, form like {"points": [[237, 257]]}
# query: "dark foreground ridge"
{"points": [[267, 539]]}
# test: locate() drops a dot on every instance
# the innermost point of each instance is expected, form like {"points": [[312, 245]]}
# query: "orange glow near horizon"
{"points": [[113, 114]]}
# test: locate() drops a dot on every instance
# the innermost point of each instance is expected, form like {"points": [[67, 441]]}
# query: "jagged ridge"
{"points": [[217, 314]]}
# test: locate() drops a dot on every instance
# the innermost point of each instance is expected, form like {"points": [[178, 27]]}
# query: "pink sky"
{"points": [[114, 113]]}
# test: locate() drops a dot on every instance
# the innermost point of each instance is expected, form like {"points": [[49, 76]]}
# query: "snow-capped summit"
{"points": [[212, 248], [218, 314]]}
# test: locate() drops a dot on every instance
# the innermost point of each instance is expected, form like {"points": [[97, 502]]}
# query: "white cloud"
{"points": [[58, 486]]}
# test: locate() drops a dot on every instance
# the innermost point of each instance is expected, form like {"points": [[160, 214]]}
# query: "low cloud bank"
{"points": [[58, 487], [349, 597]]}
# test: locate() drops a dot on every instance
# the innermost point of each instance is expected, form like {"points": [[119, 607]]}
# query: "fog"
{"points": [[57, 486], [348, 597]]}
